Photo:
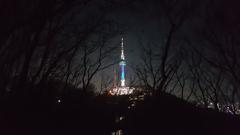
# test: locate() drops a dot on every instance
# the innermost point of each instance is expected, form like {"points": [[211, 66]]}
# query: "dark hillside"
{"points": [[166, 114]]}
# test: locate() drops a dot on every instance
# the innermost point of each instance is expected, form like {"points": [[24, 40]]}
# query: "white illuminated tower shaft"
{"points": [[122, 66]]}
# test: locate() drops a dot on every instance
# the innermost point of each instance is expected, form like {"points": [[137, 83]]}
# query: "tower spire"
{"points": [[122, 51]]}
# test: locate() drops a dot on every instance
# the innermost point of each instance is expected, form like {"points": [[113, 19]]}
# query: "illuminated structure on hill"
{"points": [[122, 65], [122, 89]]}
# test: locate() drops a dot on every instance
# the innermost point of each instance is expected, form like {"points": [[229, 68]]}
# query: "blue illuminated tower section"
{"points": [[122, 66]]}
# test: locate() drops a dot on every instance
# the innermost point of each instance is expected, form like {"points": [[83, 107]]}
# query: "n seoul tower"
{"points": [[122, 66], [122, 89]]}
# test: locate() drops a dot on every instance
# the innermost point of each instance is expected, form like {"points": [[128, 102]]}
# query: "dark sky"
{"points": [[144, 23], [140, 26]]}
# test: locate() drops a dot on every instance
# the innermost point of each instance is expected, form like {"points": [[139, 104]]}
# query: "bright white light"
{"points": [[59, 101], [122, 83], [118, 132]]}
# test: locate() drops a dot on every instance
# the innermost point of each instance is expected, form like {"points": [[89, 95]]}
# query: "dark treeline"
{"points": [[62, 43], [197, 57], [50, 51]]}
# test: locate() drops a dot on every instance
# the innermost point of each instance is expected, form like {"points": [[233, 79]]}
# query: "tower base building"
{"points": [[121, 91]]}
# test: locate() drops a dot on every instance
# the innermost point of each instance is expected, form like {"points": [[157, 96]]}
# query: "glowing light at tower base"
{"points": [[121, 91]]}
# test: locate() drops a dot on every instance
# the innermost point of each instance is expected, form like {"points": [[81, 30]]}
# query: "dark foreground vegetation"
{"points": [[73, 115], [161, 114], [166, 114]]}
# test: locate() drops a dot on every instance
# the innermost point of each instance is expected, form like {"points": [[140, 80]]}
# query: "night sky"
{"points": [[198, 25], [145, 24]]}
